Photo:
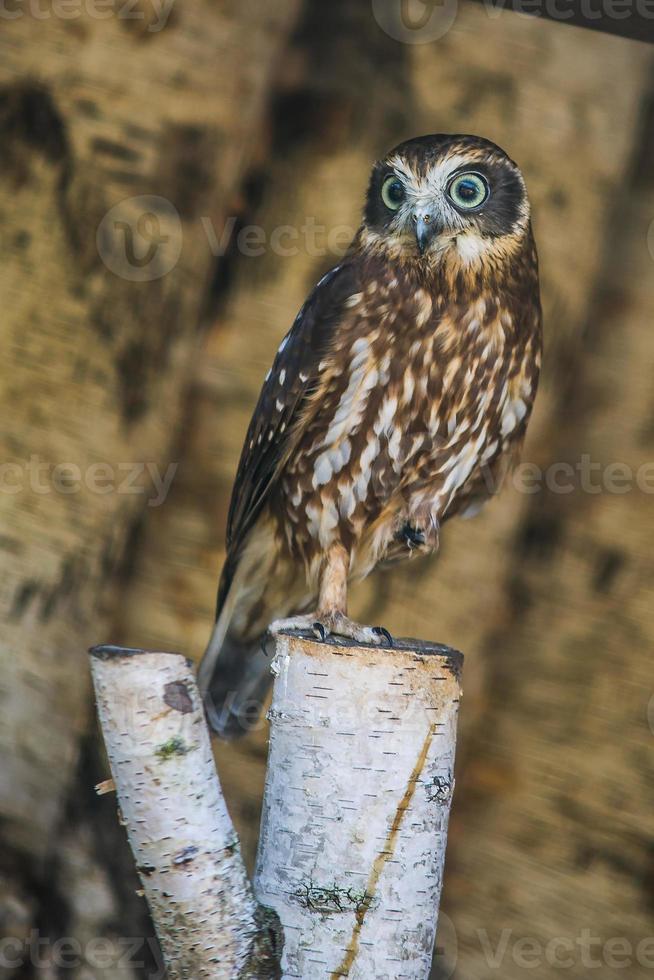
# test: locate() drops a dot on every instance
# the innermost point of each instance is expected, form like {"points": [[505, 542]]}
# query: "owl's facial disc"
{"points": [[434, 195], [467, 192], [432, 212]]}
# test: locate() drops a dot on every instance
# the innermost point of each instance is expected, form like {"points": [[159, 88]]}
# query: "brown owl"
{"points": [[395, 400]]}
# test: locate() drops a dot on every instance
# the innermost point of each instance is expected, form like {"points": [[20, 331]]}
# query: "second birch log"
{"points": [[356, 806]]}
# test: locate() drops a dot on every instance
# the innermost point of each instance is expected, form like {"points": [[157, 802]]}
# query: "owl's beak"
{"points": [[425, 228]]}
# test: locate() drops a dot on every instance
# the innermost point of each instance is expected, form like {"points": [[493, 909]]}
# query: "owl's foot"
{"points": [[338, 624], [412, 537], [324, 625], [420, 532]]}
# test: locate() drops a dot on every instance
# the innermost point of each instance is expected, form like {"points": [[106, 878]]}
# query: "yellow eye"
{"points": [[468, 191], [393, 193]]}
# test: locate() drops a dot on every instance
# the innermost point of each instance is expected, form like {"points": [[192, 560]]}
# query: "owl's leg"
{"points": [[331, 616]]}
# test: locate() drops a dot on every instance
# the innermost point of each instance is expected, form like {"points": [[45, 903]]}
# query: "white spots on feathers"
{"points": [[489, 451], [283, 344], [331, 462], [424, 304], [394, 444], [409, 386], [479, 308], [323, 520], [488, 352], [365, 462], [347, 502], [384, 368], [313, 518], [282, 376], [450, 372], [461, 464], [385, 424], [362, 379], [385, 421], [484, 403], [512, 415], [296, 499], [471, 246], [322, 471]]}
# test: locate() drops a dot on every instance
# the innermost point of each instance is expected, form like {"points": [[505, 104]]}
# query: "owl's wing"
{"points": [[293, 376]]}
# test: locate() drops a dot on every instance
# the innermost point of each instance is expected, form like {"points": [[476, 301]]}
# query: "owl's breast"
{"points": [[411, 405]]}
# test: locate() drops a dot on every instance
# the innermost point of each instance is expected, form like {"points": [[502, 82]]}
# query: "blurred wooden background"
{"points": [[239, 115]]}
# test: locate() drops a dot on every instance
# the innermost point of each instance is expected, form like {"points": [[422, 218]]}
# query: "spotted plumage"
{"points": [[397, 399]]}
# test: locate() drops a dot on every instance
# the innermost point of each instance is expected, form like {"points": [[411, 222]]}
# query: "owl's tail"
{"points": [[235, 687], [234, 674]]}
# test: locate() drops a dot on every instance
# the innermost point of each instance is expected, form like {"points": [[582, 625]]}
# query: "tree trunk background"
{"points": [[548, 595], [97, 353]]}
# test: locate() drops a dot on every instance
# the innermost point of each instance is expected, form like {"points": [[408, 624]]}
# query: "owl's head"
{"points": [[437, 196]]}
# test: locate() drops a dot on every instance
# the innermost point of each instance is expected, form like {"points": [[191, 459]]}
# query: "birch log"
{"points": [[356, 805], [186, 850]]}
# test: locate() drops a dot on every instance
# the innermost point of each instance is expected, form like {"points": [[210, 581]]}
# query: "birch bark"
{"points": [[356, 806], [185, 847]]}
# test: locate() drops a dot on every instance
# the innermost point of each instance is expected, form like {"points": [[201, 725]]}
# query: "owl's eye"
{"points": [[393, 193], [468, 191]]}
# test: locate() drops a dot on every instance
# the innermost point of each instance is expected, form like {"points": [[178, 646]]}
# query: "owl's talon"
{"points": [[382, 631], [413, 537], [320, 631]]}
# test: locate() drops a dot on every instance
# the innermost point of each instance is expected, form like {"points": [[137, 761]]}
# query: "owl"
{"points": [[396, 401]]}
